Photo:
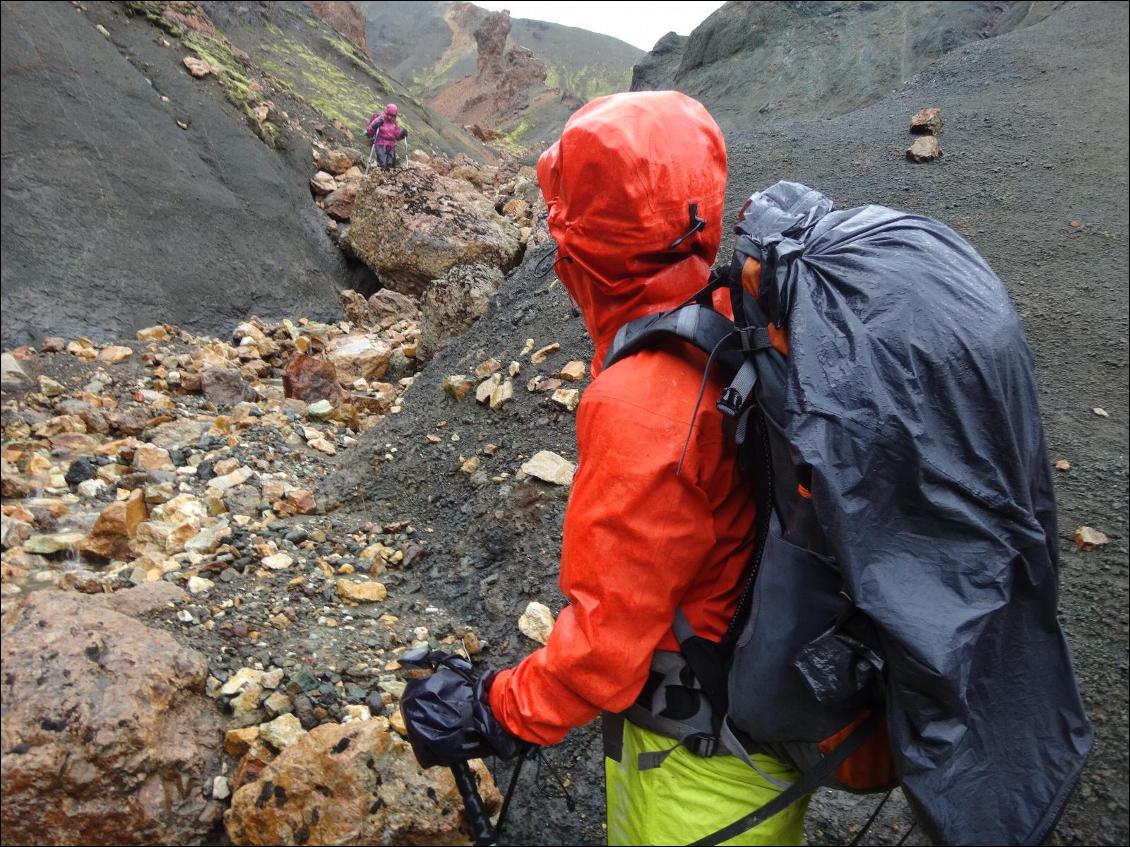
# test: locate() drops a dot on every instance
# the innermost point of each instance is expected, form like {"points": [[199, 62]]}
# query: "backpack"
{"points": [[883, 401]]}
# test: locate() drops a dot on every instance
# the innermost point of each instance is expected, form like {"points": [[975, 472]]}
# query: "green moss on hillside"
{"points": [[321, 83]]}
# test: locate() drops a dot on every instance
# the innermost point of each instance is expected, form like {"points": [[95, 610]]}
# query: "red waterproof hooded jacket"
{"points": [[639, 539]]}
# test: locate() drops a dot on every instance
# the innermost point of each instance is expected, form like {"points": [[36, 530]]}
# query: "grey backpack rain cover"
{"points": [[912, 398]]}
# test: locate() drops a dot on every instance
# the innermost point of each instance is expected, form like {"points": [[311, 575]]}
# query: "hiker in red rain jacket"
{"points": [[659, 517], [384, 132]]}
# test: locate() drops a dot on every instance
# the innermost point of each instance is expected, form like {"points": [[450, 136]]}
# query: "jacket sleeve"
{"points": [[635, 538]]}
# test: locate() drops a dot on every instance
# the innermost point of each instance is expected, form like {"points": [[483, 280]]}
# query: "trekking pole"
{"points": [[482, 831], [372, 152]]}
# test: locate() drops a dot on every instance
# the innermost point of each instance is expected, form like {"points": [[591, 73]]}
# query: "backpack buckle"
{"points": [[703, 746], [731, 401]]}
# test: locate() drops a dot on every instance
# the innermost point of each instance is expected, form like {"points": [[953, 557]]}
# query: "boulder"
{"points": [[50, 544], [107, 735], [12, 374], [323, 183], [924, 149], [572, 371], [225, 386], [451, 305], [355, 307], [353, 783], [310, 380], [284, 731], [457, 386], [250, 336], [413, 226], [338, 161], [928, 121], [198, 67], [568, 398], [339, 204], [517, 208], [1088, 538], [110, 536], [114, 354], [361, 592], [386, 307], [358, 356], [149, 457]]}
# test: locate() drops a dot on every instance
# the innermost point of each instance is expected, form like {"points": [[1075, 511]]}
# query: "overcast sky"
{"points": [[641, 24]]}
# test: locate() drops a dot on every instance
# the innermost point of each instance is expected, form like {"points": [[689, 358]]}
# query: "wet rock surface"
{"points": [[107, 734]]}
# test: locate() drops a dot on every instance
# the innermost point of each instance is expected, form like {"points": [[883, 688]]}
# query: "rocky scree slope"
{"points": [[183, 625], [170, 480], [136, 192], [1033, 173], [749, 62]]}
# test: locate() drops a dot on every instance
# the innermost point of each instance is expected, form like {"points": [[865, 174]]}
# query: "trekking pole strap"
{"points": [[809, 781]]}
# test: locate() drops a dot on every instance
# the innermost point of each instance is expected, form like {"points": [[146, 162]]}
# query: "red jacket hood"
{"points": [[618, 186]]}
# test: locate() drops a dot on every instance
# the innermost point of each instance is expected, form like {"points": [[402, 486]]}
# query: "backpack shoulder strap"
{"points": [[699, 325]]}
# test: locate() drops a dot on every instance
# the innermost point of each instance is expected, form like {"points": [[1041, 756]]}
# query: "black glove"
{"points": [[448, 714], [403, 133]]}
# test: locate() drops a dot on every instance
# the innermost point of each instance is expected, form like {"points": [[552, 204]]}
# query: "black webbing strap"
{"points": [[708, 664], [809, 781]]}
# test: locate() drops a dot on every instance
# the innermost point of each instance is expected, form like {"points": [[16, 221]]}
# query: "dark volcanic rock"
{"points": [[138, 220], [657, 69]]}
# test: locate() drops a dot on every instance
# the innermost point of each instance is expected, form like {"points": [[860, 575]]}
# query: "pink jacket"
{"points": [[388, 132]]}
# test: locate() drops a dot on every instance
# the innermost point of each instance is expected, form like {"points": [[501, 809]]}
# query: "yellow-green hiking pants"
{"points": [[688, 797]]}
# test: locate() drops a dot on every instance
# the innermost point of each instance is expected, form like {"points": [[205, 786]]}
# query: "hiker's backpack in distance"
{"points": [[900, 617]]}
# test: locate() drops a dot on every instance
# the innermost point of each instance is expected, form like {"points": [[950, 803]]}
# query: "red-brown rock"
{"points": [[107, 736], [339, 204], [355, 307], [386, 307], [345, 17], [310, 380], [927, 122]]}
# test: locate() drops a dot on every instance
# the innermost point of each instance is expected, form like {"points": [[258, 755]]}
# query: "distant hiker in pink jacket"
{"points": [[384, 133]]}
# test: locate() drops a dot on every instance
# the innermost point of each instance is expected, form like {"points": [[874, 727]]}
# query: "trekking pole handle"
{"points": [[482, 833]]}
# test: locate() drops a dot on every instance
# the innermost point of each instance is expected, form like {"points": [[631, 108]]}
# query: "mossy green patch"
{"points": [[587, 82], [324, 85]]}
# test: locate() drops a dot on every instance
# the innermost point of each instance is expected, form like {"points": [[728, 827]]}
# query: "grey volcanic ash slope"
{"points": [[1034, 174], [133, 193], [816, 59]]}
